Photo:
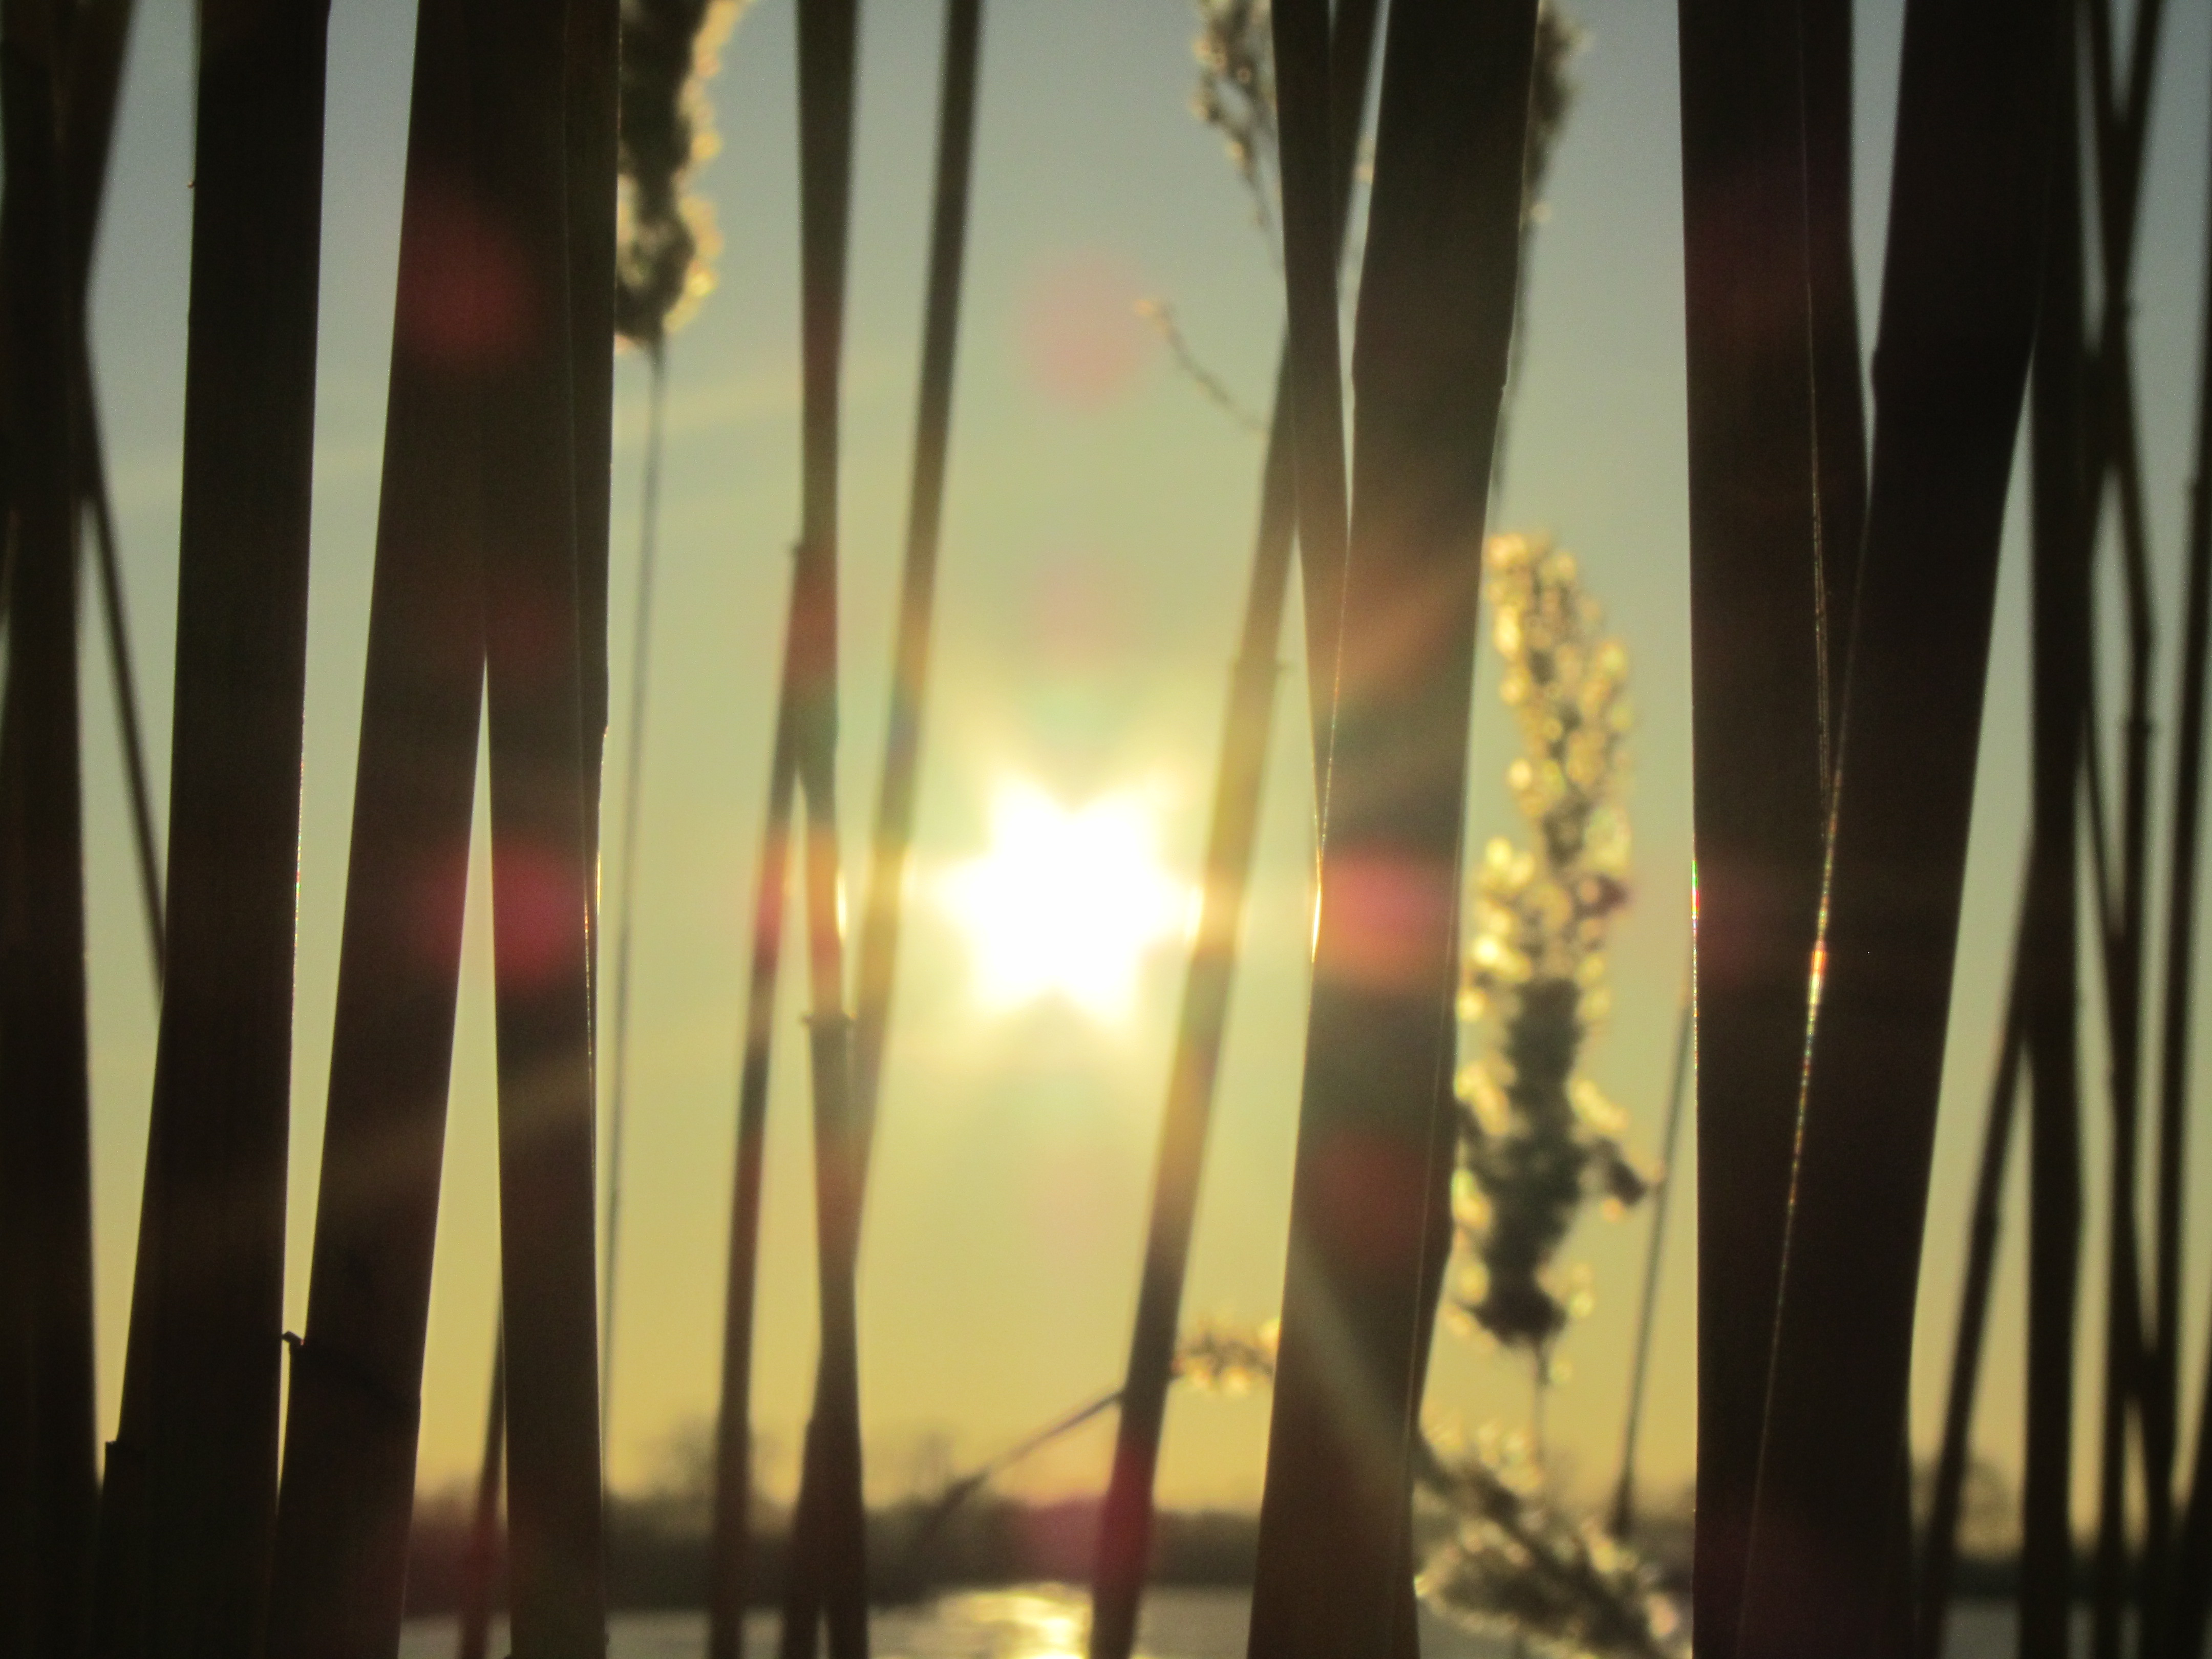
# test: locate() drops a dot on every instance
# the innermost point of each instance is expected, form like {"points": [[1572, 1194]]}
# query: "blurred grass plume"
{"points": [[1513, 1564], [1235, 92], [667, 239]]}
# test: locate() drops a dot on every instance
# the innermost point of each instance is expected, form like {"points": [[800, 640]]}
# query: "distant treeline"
{"points": [[657, 1549]]}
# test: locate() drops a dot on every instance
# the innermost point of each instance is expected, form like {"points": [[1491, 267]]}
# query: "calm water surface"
{"points": [[1050, 1621]]}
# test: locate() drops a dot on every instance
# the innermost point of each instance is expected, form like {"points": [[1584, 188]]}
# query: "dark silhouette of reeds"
{"points": [[1940, 1547], [1959, 306], [48, 1436], [48, 1490], [829, 1545], [1776, 506], [1125, 1522], [189, 1524], [1434, 331], [2110, 441], [2185, 1608], [349, 1477]]}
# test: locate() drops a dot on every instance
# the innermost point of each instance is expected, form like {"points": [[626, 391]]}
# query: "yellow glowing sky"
{"points": [[1097, 530]]}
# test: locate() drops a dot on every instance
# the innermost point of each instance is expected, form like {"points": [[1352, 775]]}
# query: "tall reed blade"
{"points": [[1621, 1523], [1765, 576], [1838, 396], [894, 833], [540, 775], [347, 1497], [1126, 1522], [1435, 325], [200, 1379], [593, 53], [1959, 305], [834, 1547], [48, 1483]]}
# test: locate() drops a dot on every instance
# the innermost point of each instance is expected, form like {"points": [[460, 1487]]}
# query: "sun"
{"points": [[1068, 901]]}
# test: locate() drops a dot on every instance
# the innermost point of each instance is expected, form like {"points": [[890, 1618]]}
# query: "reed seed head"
{"points": [[1536, 1138]]}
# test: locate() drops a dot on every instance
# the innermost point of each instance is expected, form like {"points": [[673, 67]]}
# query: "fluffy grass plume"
{"points": [[1536, 1138], [663, 263]]}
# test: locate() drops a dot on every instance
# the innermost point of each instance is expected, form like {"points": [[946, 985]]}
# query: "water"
{"points": [[1050, 1621]]}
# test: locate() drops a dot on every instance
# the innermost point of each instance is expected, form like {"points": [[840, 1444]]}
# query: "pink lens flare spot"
{"points": [[465, 300], [1385, 921], [537, 910], [1082, 339]]}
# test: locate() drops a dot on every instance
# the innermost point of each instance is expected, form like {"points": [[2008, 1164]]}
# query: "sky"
{"points": [[1098, 531]]}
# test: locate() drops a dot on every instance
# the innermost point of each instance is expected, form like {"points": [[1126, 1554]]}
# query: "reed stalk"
{"points": [[93, 486], [480, 1565], [1763, 575], [893, 838], [98, 33], [626, 881], [2111, 440], [1621, 1523], [48, 1482], [2139, 1372], [347, 1497], [1839, 396], [831, 1552], [1126, 1522], [1434, 333], [728, 1558], [1312, 240], [895, 807], [201, 1381], [1959, 309], [593, 51], [1939, 1549]]}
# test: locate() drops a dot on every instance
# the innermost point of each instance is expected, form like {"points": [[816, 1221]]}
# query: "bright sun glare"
{"points": [[1066, 901]]}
